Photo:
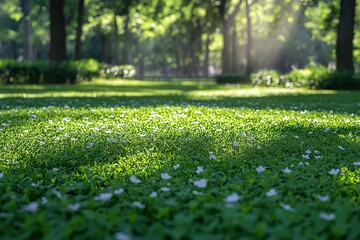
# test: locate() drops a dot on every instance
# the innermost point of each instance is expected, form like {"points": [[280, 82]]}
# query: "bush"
{"points": [[113, 71], [12, 71], [265, 78], [231, 78]]}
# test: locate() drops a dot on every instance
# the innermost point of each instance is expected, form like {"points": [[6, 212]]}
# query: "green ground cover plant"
{"points": [[178, 160]]}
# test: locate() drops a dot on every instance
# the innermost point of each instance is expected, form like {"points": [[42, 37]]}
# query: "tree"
{"points": [[57, 31], [345, 36], [80, 19], [249, 39], [26, 7]]}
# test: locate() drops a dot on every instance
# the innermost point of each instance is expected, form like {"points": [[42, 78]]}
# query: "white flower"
{"points": [[199, 169], [165, 176], [327, 216], [234, 197], [176, 166], [55, 169], [341, 148], [197, 193], [318, 157], [355, 163], [334, 171], [287, 207], [235, 144], [119, 191], [35, 185], [57, 193], [90, 145], [201, 183], [1, 175], [272, 192], [44, 200], [316, 152], [74, 207], [165, 189], [134, 179], [104, 197], [113, 140], [260, 169], [122, 236], [286, 170], [31, 207], [308, 151], [212, 156], [323, 198], [153, 194], [306, 156], [296, 137], [138, 205]]}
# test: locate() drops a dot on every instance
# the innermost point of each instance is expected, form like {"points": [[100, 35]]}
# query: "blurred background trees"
{"points": [[187, 37]]}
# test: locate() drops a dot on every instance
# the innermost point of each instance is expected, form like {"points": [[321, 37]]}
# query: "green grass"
{"points": [[67, 155]]}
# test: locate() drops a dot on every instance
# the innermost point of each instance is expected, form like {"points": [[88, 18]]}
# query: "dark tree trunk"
{"points": [[234, 50], [116, 42], [125, 54], [26, 7], [345, 36], [249, 40], [104, 48], [57, 31], [80, 19]]}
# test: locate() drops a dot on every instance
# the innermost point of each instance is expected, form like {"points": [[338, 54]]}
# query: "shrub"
{"points": [[231, 78], [12, 71], [265, 78], [114, 71]]}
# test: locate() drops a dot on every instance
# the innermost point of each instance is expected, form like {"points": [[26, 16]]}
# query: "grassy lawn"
{"points": [[178, 160]]}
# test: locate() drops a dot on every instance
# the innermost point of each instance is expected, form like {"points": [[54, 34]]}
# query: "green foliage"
{"points": [[265, 78], [231, 78], [12, 71], [313, 77], [67, 159]]}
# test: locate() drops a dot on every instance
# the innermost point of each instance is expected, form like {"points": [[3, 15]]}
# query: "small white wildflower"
{"points": [[90, 145], [306, 156], [310, 132], [307, 164], [287, 207], [327, 216], [197, 193], [199, 169], [235, 144], [341, 148], [260, 169], [234, 197], [286, 170], [134, 179], [153, 194], [212, 156], [296, 137], [66, 135], [272, 192], [138, 205], [103, 197], [44, 200], [318, 157], [176, 166], [316, 152], [323, 198], [165, 176], [122, 236], [55, 169], [308, 151], [74, 207], [119, 191], [35, 185], [355, 163], [113, 140], [201, 183], [334, 171], [57, 193], [31, 207], [165, 189]]}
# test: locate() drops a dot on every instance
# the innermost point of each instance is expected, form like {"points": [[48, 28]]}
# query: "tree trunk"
{"points": [[226, 62], [26, 7], [234, 51], [57, 31], [125, 55], [104, 48], [80, 19], [249, 40], [345, 36], [116, 42]]}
